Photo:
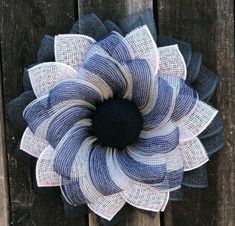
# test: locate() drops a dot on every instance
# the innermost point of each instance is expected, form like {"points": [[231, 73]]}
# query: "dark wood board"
{"points": [[209, 26], [23, 24]]}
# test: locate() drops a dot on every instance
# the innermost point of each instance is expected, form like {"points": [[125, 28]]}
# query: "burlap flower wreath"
{"points": [[118, 115]]}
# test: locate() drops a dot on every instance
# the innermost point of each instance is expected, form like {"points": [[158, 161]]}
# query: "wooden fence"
{"points": [[208, 25]]}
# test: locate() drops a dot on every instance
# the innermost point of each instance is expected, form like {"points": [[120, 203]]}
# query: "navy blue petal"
{"points": [[90, 25], [205, 83], [15, 110], [214, 143], [46, 50], [111, 26], [177, 195], [194, 67], [196, 178]]}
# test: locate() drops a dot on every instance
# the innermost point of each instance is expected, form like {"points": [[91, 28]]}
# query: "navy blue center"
{"points": [[117, 123]]}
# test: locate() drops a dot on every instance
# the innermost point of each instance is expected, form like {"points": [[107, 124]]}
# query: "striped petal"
{"points": [[110, 71], [71, 49], [163, 106], [99, 172], [68, 148], [193, 153], [172, 62], [196, 120], [174, 171], [107, 206], [158, 140], [45, 174], [145, 197], [115, 46], [146, 173], [63, 120], [32, 144], [46, 75], [144, 47], [185, 101], [142, 82]]}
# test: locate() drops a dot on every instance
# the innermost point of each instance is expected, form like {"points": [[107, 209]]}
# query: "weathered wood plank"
{"points": [[117, 11], [209, 26], [4, 201], [23, 23]]}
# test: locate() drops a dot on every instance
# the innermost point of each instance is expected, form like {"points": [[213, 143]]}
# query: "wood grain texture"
{"points": [[117, 11], [209, 26], [23, 23], [4, 200]]}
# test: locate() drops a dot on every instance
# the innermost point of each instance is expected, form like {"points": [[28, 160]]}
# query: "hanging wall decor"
{"points": [[116, 116]]}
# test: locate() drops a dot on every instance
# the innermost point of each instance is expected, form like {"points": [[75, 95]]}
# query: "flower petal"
{"points": [[194, 67], [158, 140], [214, 127], [196, 120], [71, 49], [44, 76], [107, 206], [99, 172], [45, 174], [71, 191], [172, 62], [196, 178], [68, 148], [32, 144], [206, 83], [214, 143], [111, 26], [110, 71], [184, 47], [149, 174], [142, 82], [174, 171], [185, 101], [144, 47], [177, 195], [68, 92], [145, 197], [139, 18], [193, 153], [63, 120], [46, 50], [15, 110], [90, 25], [115, 46], [163, 106]]}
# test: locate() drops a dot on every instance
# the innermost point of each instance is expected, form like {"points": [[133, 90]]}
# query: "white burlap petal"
{"points": [[193, 153], [45, 174], [145, 197], [71, 49], [44, 76], [32, 144], [144, 46], [107, 206], [172, 62], [196, 120]]}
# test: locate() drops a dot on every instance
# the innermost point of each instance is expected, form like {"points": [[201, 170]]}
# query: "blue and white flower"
{"points": [[92, 86]]}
